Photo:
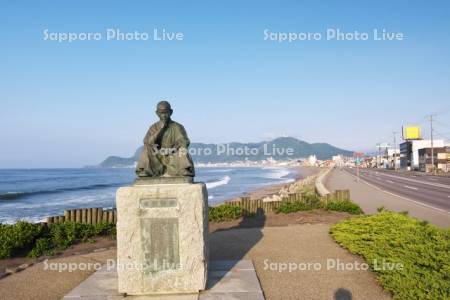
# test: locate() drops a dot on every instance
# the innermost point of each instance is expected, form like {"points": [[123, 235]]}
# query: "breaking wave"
{"points": [[223, 181], [18, 195]]}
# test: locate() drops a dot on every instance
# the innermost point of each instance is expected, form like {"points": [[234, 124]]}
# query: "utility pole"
{"points": [[379, 157], [395, 149], [433, 170]]}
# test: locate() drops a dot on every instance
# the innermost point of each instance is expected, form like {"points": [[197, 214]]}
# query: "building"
{"points": [[312, 160], [391, 159], [409, 152], [338, 160], [441, 159]]}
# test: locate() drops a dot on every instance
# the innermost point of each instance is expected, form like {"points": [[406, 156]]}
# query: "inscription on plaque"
{"points": [[160, 246], [161, 202]]}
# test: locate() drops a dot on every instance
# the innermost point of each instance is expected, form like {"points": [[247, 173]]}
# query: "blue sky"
{"points": [[73, 104]]}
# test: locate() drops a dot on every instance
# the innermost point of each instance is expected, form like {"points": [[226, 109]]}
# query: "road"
{"points": [[433, 191], [425, 198]]}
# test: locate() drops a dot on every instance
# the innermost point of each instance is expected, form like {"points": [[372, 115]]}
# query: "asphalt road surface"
{"points": [[432, 191]]}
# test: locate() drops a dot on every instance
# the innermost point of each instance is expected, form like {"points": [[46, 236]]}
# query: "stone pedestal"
{"points": [[162, 238]]}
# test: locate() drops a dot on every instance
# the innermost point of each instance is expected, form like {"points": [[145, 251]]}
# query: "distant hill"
{"points": [[230, 152]]}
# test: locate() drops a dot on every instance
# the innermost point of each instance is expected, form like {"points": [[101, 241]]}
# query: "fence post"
{"points": [[83, 216], [66, 215], [88, 216], [94, 215], [100, 214], [245, 205], [110, 216]]}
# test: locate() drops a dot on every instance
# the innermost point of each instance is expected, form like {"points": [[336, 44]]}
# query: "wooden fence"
{"points": [[92, 216], [97, 214], [261, 207]]}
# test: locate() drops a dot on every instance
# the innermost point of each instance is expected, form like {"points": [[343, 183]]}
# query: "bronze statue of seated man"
{"points": [[165, 152]]}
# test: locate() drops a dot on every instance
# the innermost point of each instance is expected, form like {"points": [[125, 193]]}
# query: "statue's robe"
{"points": [[165, 152]]}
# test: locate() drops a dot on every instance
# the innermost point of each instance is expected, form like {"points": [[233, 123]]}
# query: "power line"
{"points": [[442, 123], [441, 134], [442, 111]]}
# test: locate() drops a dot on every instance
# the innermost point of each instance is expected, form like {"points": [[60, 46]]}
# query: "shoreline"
{"points": [[273, 189], [295, 174]]}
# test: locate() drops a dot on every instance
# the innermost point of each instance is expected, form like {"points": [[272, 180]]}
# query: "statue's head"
{"points": [[164, 111]]}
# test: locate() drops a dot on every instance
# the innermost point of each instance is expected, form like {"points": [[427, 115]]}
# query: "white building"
{"points": [[312, 160], [338, 160], [409, 152], [392, 159]]}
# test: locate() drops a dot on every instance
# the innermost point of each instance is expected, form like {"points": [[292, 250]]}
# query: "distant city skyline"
{"points": [[70, 104]]}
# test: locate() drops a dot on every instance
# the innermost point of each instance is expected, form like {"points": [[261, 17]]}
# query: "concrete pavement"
{"points": [[425, 200]]}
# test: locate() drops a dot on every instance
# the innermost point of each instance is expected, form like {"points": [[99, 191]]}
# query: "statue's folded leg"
{"points": [[155, 165], [142, 164], [180, 165]]}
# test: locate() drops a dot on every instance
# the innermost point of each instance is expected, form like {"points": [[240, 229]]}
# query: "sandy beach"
{"points": [[301, 173]]}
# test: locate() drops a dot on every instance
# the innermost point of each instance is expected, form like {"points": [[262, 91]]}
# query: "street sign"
{"points": [[358, 154]]}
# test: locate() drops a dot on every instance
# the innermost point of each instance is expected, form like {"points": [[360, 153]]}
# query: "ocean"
{"points": [[34, 194]]}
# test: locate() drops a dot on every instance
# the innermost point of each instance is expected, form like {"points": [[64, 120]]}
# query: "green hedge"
{"points": [[17, 238], [421, 248], [343, 205], [35, 240], [310, 202], [224, 212]]}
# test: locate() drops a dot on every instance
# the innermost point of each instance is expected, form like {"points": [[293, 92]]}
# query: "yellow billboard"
{"points": [[412, 133]]}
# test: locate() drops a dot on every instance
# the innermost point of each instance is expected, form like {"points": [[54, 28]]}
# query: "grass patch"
{"points": [[224, 212], [421, 248]]}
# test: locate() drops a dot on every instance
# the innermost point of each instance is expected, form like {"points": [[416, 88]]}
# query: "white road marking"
{"points": [[445, 186], [411, 187], [389, 181]]}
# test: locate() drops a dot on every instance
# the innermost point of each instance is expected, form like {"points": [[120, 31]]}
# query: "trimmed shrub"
{"points": [[343, 205], [23, 237], [423, 251], [290, 207], [224, 212], [43, 246], [16, 238]]}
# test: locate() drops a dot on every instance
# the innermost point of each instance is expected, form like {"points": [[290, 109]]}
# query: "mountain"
{"points": [[282, 148]]}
